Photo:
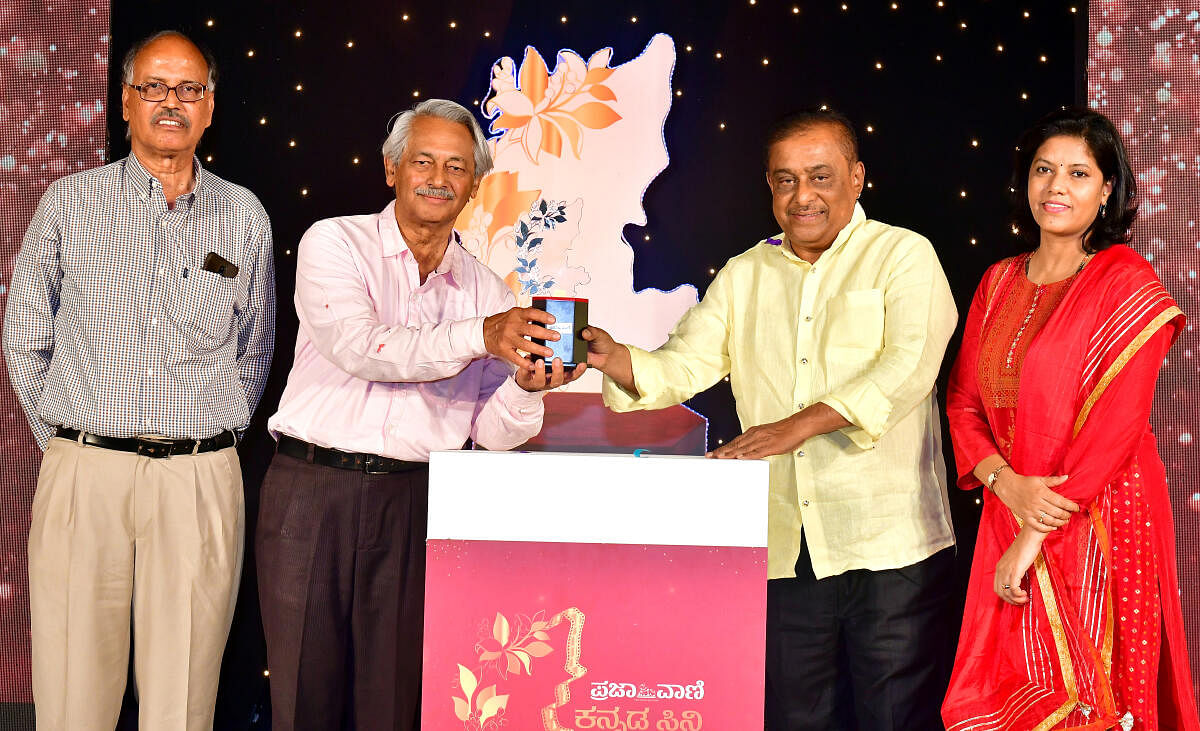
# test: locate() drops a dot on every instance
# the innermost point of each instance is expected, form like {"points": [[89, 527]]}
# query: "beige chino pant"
{"points": [[114, 533]]}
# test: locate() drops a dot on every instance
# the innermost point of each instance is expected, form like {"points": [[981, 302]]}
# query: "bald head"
{"points": [[801, 122], [163, 125], [180, 44]]}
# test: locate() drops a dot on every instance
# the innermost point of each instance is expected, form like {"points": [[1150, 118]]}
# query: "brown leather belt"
{"points": [[372, 464], [156, 447]]}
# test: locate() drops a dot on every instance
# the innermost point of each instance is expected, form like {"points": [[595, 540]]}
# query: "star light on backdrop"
{"points": [[326, 79], [1025, 63], [895, 12], [1143, 76], [54, 66]]}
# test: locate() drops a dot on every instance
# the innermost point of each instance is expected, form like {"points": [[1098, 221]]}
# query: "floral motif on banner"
{"points": [[531, 244], [509, 649], [537, 108], [486, 223]]}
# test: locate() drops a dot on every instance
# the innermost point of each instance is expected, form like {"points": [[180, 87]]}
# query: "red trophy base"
{"points": [[579, 422]]}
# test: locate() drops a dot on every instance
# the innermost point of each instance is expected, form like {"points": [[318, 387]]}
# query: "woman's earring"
{"points": [[1101, 210]]}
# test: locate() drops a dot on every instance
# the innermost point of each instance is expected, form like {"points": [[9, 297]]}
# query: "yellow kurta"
{"points": [[862, 330]]}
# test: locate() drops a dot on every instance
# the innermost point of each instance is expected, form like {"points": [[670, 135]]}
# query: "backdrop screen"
{"points": [[735, 69], [1142, 74], [53, 76]]}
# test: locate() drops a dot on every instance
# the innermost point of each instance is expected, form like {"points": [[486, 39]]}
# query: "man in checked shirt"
{"points": [[138, 335]]}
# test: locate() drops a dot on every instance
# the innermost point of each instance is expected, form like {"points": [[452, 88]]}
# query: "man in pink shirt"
{"points": [[407, 345]]}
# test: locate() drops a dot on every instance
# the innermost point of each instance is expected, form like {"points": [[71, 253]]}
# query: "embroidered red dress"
{"points": [[1059, 379]]}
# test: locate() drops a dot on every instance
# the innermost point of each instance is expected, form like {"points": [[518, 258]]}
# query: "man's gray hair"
{"points": [[131, 57], [397, 139]]}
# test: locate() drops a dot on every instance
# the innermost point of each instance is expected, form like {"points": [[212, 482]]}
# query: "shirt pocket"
{"points": [[202, 308], [854, 326]]}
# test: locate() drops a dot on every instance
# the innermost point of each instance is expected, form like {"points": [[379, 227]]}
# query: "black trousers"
{"points": [[867, 650], [341, 581]]}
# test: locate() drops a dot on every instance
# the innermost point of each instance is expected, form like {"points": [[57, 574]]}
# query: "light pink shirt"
{"points": [[386, 365]]}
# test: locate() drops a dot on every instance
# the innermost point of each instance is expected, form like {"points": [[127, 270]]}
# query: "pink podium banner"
{"points": [[630, 595]]}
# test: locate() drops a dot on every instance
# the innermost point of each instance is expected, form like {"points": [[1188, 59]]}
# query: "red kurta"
{"points": [[1059, 379]]}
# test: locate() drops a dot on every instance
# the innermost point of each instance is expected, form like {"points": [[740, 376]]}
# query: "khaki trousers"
{"points": [[114, 533]]}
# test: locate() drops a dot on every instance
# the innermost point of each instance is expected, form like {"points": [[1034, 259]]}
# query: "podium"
{"points": [[594, 591]]}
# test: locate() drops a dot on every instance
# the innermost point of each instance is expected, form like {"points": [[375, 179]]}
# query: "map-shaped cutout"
{"points": [[575, 148]]}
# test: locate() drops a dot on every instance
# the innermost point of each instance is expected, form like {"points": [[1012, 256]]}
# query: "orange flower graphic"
{"points": [[494, 210], [539, 108]]}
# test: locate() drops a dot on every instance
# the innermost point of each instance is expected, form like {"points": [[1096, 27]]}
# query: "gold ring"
{"points": [[1006, 587]]}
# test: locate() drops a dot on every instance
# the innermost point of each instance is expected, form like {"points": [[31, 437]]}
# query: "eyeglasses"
{"points": [[156, 91]]}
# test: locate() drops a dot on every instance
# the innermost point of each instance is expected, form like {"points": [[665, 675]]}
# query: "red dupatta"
{"points": [[1033, 667]]}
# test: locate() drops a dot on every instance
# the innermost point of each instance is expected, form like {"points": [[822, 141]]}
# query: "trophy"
{"points": [[570, 318]]}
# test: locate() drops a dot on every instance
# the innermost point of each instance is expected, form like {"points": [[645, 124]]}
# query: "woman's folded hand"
{"points": [[1033, 499]]}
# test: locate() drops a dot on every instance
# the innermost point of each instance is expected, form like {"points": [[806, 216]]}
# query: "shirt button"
{"points": [[808, 318], [153, 320], [800, 453], [149, 371], [804, 503], [800, 405], [162, 272], [163, 223], [804, 361]]}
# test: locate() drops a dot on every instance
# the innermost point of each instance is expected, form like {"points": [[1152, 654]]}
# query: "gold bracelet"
{"points": [[991, 478]]}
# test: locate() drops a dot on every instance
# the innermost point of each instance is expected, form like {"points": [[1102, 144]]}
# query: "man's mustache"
{"points": [[443, 193], [804, 211], [169, 113]]}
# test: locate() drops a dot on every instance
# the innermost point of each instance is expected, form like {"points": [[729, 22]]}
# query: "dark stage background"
{"points": [[939, 92]]}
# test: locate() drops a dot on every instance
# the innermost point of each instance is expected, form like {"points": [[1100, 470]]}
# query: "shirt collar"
{"points": [[392, 244], [144, 182], [843, 236]]}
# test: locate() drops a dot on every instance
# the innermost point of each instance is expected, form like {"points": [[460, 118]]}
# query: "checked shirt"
{"points": [[113, 326]]}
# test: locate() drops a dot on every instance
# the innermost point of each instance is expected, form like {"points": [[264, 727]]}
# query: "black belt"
{"points": [[150, 446], [372, 464]]}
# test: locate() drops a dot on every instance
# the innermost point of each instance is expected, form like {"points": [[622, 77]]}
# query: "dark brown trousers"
{"points": [[341, 581]]}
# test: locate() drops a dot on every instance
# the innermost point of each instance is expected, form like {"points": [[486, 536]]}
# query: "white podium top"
{"points": [[557, 497]]}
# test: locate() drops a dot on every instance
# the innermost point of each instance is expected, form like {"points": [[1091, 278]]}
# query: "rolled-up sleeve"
{"points": [[695, 356], [919, 318]]}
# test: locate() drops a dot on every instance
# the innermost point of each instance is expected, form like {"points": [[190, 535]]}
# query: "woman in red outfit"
{"points": [[1072, 618]]}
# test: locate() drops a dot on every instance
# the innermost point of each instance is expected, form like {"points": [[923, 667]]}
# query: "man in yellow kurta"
{"points": [[832, 333]]}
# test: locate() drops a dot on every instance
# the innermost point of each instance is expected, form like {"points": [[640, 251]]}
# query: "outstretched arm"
{"points": [[338, 315]]}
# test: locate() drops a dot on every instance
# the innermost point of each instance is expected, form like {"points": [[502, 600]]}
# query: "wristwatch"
{"points": [[991, 478]]}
